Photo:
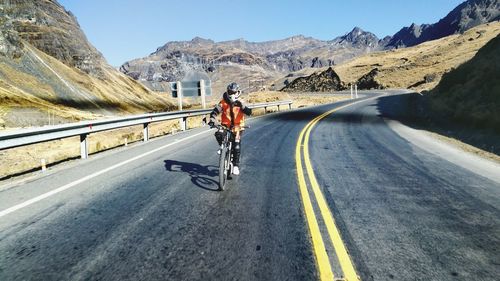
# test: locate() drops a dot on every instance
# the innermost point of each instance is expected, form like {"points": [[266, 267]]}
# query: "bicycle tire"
{"points": [[222, 168]]}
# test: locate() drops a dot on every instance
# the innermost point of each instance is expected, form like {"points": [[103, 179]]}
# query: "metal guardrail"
{"points": [[83, 129]]}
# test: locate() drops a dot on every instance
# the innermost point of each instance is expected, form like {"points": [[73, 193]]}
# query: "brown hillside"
{"points": [[420, 67]]}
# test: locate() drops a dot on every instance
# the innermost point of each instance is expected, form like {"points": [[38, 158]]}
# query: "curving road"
{"points": [[403, 213]]}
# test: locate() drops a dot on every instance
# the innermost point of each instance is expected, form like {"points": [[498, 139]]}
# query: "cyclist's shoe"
{"points": [[236, 170], [219, 151]]}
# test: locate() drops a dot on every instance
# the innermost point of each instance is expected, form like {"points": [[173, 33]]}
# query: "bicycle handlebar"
{"points": [[217, 126]]}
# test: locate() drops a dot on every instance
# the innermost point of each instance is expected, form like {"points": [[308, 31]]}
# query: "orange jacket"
{"points": [[238, 116], [232, 113]]}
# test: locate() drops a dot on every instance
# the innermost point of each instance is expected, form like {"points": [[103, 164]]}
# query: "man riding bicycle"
{"points": [[233, 112]]}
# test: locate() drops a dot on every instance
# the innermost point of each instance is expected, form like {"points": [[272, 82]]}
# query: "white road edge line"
{"points": [[84, 179]]}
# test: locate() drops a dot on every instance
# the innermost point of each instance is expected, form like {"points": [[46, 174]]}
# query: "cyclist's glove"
{"points": [[211, 123]]}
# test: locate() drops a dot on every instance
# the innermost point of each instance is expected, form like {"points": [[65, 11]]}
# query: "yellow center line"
{"points": [[322, 259], [323, 263], [342, 255]]}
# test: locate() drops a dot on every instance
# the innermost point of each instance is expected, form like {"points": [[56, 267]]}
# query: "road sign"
{"points": [[181, 89], [191, 88]]}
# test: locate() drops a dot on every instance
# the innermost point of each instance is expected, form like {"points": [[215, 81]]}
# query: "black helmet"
{"points": [[233, 88], [233, 92]]}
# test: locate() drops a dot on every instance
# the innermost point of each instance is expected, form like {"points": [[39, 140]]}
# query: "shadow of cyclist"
{"points": [[200, 175]]}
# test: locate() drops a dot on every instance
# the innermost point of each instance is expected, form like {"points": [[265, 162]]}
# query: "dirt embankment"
{"points": [[414, 110]]}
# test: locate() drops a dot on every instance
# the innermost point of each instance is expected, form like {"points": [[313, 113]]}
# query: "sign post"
{"points": [[179, 94], [202, 93]]}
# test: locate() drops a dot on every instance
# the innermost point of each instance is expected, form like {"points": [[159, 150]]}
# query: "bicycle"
{"points": [[226, 155]]}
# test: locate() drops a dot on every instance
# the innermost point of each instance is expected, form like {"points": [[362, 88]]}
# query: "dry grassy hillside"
{"points": [[420, 67], [470, 94], [411, 67], [35, 84]]}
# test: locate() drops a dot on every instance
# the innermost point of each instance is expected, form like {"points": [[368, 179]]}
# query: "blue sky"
{"points": [[126, 29]]}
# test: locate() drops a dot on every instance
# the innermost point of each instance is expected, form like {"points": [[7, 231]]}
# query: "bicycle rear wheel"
{"points": [[223, 172]]}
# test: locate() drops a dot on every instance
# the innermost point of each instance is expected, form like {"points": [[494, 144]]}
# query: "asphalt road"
{"points": [[403, 213]]}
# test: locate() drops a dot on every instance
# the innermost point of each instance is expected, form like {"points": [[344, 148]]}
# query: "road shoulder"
{"points": [[454, 151]]}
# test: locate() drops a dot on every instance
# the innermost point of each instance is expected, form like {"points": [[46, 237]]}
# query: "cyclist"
{"points": [[233, 112]]}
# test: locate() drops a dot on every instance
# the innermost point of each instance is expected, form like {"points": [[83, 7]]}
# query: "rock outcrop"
{"points": [[318, 62], [369, 81], [10, 43], [326, 81], [47, 26], [287, 61]]}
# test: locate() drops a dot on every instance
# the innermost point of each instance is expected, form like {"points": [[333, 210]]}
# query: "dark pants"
{"points": [[236, 144]]}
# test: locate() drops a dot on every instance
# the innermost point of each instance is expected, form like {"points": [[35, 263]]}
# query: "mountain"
{"points": [[418, 68], [469, 14], [245, 61], [266, 61], [47, 64]]}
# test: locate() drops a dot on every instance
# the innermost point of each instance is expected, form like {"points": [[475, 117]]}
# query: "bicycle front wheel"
{"points": [[223, 171]]}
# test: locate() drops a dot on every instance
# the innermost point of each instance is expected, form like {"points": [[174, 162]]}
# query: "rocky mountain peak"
{"points": [[358, 38], [469, 14], [415, 29], [356, 31], [200, 41], [195, 43], [298, 37]]}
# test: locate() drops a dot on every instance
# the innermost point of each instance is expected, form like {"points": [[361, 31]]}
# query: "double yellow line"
{"points": [[322, 259]]}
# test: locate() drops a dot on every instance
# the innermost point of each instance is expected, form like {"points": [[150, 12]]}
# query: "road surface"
{"points": [[152, 211]]}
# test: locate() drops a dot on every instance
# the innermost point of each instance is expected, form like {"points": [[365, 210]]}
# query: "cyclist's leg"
{"points": [[237, 148], [219, 136]]}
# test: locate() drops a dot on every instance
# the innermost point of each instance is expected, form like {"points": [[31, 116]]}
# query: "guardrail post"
{"points": [[265, 109], [84, 146], [183, 123], [278, 107], [289, 106], [356, 90], [145, 132]]}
